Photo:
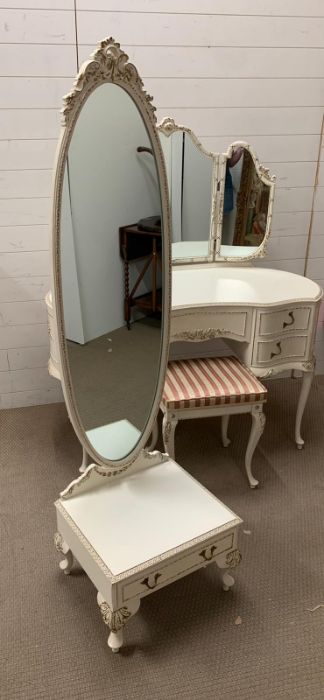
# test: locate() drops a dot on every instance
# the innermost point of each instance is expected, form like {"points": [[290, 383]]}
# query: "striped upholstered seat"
{"points": [[210, 382]]}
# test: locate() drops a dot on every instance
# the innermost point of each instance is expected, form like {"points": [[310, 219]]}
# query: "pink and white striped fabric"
{"points": [[209, 382]]}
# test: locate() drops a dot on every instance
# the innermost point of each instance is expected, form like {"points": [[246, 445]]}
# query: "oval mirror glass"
{"points": [[246, 205], [190, 181], [112, 279]]}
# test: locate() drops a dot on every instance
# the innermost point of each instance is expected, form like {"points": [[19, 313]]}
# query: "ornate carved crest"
{"points": [[107, 63]]}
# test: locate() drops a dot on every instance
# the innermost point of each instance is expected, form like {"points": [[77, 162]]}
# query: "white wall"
{"points": [[250, 69]]}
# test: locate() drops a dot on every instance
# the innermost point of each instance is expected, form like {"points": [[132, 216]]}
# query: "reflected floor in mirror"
{"points": [[119, 358]]}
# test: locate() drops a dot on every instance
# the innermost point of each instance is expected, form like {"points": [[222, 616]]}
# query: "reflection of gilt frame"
{"points": [[252, 200], [168, 127]]}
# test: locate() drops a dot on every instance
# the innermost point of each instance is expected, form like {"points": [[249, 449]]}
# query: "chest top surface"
{"points": [[145, 515]]}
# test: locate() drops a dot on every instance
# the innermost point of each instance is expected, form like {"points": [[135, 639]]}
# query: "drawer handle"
{"points": [[151, 581], [208, 553], [291, 322], [274, 354]]}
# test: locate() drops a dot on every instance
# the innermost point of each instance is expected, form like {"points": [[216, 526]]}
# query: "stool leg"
{"points": [[225, 439], [258, 423], [169, 425]]}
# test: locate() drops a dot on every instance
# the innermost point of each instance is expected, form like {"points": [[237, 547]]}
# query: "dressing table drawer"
{"points": [[283, 321], [205, 324], [272, 352], [165, 574]]}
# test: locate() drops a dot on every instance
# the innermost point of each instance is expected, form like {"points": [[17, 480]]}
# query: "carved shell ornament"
{"points": [[107, 63]]}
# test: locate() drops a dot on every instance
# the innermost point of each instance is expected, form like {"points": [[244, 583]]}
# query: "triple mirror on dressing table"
{"points": [[267, 317], [135, 521]]}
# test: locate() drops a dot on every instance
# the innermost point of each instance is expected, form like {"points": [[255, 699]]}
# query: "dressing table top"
{"points": [[146, 515], [203, 286]]}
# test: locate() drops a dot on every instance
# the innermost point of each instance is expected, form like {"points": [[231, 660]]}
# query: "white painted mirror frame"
{"points": [[109, 64], [167, 127]]}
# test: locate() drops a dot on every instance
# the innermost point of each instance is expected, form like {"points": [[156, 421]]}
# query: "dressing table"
{"points": [[135, 521], [267, 317]]}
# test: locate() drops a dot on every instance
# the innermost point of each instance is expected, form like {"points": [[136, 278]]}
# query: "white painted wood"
{"points": [[27, 358], [294, 266], [5, 383], [311, 8], [316, 249], [30, 379], [22, 264], [240, 62], [22, 312], [297, 174], [293, 223], [193, 93], [198, 530], [315, 268], [24, 212], [277, 149], [35, 93], [293, 199], [37, 27], [217, 284], [23, 288], [33, 397], [4, 362], [280, 247], [319, 199], [209, 30], [29, 124], [39, 4], [27, 238], [146, 497], [32, 59], [269, 120], [25, 183], [29, 154], [24, 336]]}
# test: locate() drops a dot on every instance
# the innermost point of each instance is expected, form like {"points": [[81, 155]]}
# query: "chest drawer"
{"points": [[278, 350], [175, 569], [283, 321]]}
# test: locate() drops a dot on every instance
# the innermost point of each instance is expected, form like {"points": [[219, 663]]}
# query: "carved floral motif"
{"points": [[108, 62]]}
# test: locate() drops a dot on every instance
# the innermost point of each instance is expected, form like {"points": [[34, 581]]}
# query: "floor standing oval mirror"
{"points": [[113, 371]]}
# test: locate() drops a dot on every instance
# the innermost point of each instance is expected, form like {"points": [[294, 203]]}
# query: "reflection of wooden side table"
{"points": [[135, 245]]}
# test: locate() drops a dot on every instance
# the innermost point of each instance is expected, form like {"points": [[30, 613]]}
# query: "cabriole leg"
{"points": [[258, 423], [61, 546], [225, 439], [231, 560], [304, 393], [168, 428], [116, 619]]}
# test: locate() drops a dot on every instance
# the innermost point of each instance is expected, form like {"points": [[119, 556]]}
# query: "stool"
{"points": [[220, 386]]}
